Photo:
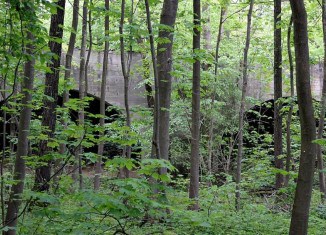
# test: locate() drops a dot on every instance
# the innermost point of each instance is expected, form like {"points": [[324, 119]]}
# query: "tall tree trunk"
{"points": [[242, 106], [322, 115], [126, 73], [289, 117], [67, 74], [155, 141], [82, 82], [98, 165], [301, 205], [3, 155], [212, 120], [278, 144], [195, 117], [90, 32], [164, 68], [43, 173], [22, 146]]}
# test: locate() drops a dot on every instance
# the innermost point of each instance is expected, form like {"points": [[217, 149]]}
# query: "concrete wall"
{"points": [[258, 87], [115, 81]]}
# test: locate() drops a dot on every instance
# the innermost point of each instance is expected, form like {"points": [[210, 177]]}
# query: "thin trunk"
{"points": [[43, 173], [219, 37], [90, 46], [3, 155], [242, 106], [82, 75], [155, 142], [213, 96], [70, 52], [126, 73], [98, 166], [22, 146], [322, 115], [278, 144], [289, 117], [146, 76], [302, 198], [195, 117], [164, 68]]}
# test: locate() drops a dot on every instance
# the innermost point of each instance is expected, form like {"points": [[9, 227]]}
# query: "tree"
{"points": [[278, 145], [43, 173], [242, 106], [301, 205], [164, 68], [98, 167], [125, 64], [213, 95], [322, 113], [155, 141], [289, 116], [195, 117], [70, 52], [28, 20], [82, 93]]}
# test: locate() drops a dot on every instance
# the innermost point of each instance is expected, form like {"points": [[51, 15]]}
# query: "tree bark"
{"points": [[22, 146], [71, 47], [90, 32], [242, 106], [98, 166], [67, 74], [278, 144], [82, 93], [164, 68], [155, 141], [320, 165], [301, 205], [43, 173], [289, 117], [126, 74], [212, 119], [195, 117]]}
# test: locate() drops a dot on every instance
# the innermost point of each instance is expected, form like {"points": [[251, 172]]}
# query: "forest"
{"points": [[162, 117]]}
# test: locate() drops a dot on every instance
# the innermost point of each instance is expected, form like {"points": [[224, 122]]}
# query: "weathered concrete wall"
{"points": [[115, 81], [258, 87]]}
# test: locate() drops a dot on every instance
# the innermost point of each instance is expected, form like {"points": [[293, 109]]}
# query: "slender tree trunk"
{"points": [[22, 146], [98, 166], [126, 73], [322, 115], [219, 37], [195, 117], [71, 47], [164, 68], [43, 173], [242, 106], [3, 156], [212, 120], [301, 205], [155, 142], [289, 117], [90, 46], [278, 144], [67, 74], [82, 82]]}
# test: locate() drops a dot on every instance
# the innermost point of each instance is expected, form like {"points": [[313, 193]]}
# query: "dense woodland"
{"points": [[201, 156]]}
